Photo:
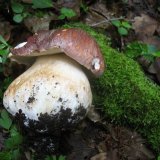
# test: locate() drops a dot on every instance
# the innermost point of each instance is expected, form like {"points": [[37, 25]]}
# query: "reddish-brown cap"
{"points": [[75, 43]]}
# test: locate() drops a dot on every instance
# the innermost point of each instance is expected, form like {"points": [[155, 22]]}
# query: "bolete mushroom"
{"points": [[55, 84]]}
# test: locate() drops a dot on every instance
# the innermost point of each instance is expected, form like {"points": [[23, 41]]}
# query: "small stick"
{"points": [[106, 21]]}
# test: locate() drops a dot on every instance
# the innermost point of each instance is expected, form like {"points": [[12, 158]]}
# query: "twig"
{"points": [[106, 21]]}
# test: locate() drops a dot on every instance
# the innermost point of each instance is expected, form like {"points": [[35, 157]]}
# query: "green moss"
{"points": [[127, 96]]}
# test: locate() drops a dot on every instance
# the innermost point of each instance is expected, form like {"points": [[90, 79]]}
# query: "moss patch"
{"points": [[125, 93]]}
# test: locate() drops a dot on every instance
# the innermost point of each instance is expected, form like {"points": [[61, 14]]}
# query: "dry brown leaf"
{"points": [[98, 15], [80, 148], [100, 156], [93, 115], [35, 23], [144, 25], [5, 29], [130, 144], [145, 28], [153, 40]]}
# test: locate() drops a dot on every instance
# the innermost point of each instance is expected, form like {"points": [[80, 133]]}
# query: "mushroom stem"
{"points": [[53, 82]]}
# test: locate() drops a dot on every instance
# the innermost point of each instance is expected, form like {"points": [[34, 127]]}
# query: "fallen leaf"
{"points": [[93, 115], [144, 25], [35, 23], [81, 150], [145, 28], [100, 156], [5, 30], [98, 15], [130, 144]]}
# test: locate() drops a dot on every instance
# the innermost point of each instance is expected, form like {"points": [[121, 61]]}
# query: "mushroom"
{"points": [[55, 84]]}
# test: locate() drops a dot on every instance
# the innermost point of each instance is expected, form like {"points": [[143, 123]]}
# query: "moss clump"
{"points": [[127, 96]]}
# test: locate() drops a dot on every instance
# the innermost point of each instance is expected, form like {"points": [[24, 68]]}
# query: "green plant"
{"points": [[55, 158], [11, 149], [84, 7], [5, 120], [66, 13], [122, 26], [135, 49], [42, 4], [4, 50], [19, 12], [3, 86]]}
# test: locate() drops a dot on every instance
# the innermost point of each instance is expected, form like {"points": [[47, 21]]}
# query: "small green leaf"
{"points": [[4, 54], [25, 14], [67, 12], [116, 23], [61, 157], [122, 31], [17, 7], [2, 46], [7, 81], [151, 48], [126, 24], [3, 51], [5, 120], [2, 40], [149, 57], [42, 4], [84, 7], [18, 18], [61, 17], [157, 54], [5, 155], [16, 154], [1, 60], [13, 141]]}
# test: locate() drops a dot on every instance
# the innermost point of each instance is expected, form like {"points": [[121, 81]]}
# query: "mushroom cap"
{"points": [[74, 42], [52, 83]]}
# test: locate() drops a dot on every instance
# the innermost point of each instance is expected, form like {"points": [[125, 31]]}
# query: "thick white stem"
{"points": [[52, 82]]}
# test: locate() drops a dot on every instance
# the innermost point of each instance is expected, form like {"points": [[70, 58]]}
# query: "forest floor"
{"points": [[124, 22]]}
